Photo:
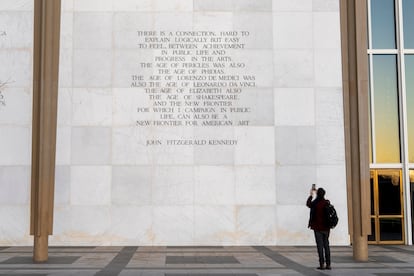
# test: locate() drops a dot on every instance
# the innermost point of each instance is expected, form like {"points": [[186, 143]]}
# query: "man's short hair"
{"points": [[321, 192]]}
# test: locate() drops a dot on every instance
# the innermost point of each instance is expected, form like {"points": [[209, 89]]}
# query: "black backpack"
{"points": [[331, 216]]}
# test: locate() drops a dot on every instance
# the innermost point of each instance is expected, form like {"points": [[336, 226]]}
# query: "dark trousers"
{"points": [[322, 243]]}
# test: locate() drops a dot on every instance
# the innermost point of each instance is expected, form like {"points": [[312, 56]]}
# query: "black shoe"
{"points": [[328, 267], [320, 268]]}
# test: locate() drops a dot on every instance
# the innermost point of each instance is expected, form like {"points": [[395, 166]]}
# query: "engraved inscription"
{"points": [[3, 85], [195, 78]]}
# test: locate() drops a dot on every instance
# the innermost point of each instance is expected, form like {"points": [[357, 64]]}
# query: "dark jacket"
{"points": [[317, 218]]}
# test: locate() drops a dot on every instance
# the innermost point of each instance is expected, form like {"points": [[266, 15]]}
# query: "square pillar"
{"points": [[45, 90], [356, 108]]}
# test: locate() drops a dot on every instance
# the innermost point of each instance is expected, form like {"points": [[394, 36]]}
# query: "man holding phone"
{"points": [[318, 223]]}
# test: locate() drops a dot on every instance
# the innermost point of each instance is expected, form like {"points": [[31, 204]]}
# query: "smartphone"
{"points": [[313, 190]]}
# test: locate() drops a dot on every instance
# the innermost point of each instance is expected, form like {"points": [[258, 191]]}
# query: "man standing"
{"points": [[319, 224]]}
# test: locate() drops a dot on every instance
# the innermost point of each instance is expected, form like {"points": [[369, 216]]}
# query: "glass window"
{"points": [[372, 193], [371, 159], [389, 193], [386, 197], [408, 21], [387, 138], [412, 198], [372, 237], [391, 229], [383, 24], [409, 73]]}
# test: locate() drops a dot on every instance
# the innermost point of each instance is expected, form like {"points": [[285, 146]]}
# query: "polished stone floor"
{"points": [[204, 261]]}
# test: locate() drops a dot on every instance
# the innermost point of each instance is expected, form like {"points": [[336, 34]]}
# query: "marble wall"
{"points": [[112, 188], [16, 30]]}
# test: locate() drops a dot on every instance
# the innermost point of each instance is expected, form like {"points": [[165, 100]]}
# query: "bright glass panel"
{"points": [[409, 83], [383, 24], [387, 139], [408, 21]]}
